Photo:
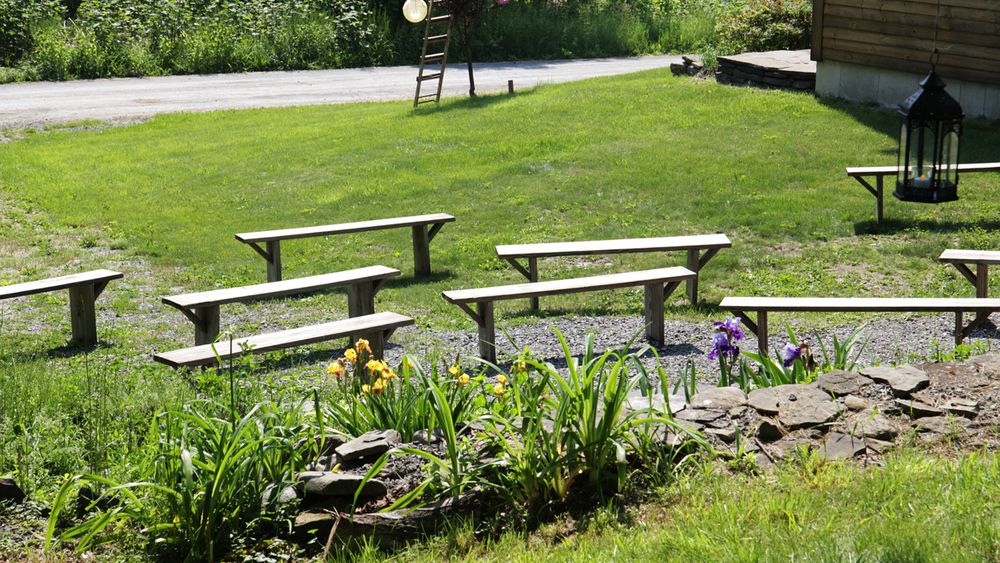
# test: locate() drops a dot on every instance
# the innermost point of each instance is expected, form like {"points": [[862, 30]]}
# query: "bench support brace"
{"points": [[483, 315], [206, 323], [759, 327], [877, 191], [962, 331], [980, 279], [531, 272], [273, 257]]}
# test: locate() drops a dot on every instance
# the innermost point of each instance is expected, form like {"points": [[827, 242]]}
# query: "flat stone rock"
{"points": [[769, 430], [10, 492], [768, 399], [344, 485], [637, 402], [274, 496], [719, 398], [877, 426], [842, 446], [369, 444], [855, 403], [917, 409], [904, 380], [962, 407], [808, 413], [703, 416], [941, 424], [839, 383], [727, 435]]}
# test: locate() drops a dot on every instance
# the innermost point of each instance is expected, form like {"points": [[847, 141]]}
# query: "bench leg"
{"points": [[274, 261], [360, 302], [762, 333], [487, 332], [421, 251], [982, 280], [377, 342], [694, 265], [82, 314], [533, 277], [654, 313], [206, 329], [879, 199]]}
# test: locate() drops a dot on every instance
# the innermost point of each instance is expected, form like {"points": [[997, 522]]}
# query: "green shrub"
{"points": [[764, 25], [18, 19]]}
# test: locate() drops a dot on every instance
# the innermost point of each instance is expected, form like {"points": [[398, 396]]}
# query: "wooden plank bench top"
{"points": [[424, 227], [272, 290], [582, 248], [954, 255], [656, 283], [62, 282], [740, 306], [84, 289], [205, 355], [861, 304], [855, 171], [202, 308], [572, 285], [692, 244], [345, 228]]}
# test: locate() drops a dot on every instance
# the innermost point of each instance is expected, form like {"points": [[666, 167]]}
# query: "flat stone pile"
{"points": [[846, 415], [790, 70]]}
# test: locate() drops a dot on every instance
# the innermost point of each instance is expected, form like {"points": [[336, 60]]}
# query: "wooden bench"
{"points": [[692, 244], [862, 173], [741, 306], [84, 289], [202, 309], [425, 228], [654, 282], [981, 258], [381, 325]]}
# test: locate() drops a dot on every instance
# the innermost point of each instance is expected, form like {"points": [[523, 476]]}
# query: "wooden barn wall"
{"points": [[899, 35]]}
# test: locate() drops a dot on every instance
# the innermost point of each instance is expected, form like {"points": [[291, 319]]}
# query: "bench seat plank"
{"points": [[580, 248], [573, 285], [279, 289], [62, 282], [954, 255], [854, 171], [860, 304], [344, 228], [205, 355]]}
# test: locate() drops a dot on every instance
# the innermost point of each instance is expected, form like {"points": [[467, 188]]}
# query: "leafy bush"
{"points": [[764, 25], [18, 18]]}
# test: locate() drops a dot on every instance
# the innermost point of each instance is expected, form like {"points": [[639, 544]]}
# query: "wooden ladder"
{"points": [[442, 57]]}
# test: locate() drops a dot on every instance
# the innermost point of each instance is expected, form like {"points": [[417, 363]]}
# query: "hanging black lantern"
{"points": [[928, 144]]}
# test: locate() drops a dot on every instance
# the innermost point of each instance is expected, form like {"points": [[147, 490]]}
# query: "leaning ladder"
{"points": [[425, 58]]}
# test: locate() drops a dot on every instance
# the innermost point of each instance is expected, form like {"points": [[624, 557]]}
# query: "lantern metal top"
{"points": [[931, 102]]}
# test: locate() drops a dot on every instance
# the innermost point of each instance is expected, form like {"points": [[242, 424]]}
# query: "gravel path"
{"points": [[126, 99], [892, 340]]}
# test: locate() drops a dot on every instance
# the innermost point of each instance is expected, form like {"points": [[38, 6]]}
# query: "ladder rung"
{"points": [[433, 58], [426, 102], [428, 96], [436, 38], [434, 76], [441, 19]]}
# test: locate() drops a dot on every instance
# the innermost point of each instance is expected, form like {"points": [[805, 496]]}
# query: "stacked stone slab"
{"points": [[790, 70]]}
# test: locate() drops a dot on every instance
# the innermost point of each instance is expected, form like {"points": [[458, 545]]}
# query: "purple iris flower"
{"points": [[790, 353], [722, 346], [730, 326]]}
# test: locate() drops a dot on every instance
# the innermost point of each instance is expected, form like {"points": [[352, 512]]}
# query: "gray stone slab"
{"points": [[719, 398], [904, 380]]}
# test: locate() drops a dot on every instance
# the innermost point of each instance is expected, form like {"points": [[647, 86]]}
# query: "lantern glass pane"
{"points": [[922, 157], [904, 171], [949, 155]]}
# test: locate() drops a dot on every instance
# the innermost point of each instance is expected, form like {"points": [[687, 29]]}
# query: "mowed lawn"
{"points": [[632, 156]]}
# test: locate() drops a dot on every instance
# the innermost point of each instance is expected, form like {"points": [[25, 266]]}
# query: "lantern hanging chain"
{"points": [[935, 54]]}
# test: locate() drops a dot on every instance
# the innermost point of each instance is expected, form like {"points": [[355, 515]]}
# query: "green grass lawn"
{"points": [[915, 508], [631, 156]]}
